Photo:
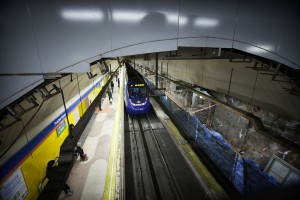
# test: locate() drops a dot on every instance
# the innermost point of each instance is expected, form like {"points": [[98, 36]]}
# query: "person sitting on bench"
{"points": [[80, 151]]}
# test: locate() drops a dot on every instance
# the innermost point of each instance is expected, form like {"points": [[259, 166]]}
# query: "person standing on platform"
{"points": [[71, 127], [118, 82], [112, 86], [109, 95], [100, 102], [52, 173]]}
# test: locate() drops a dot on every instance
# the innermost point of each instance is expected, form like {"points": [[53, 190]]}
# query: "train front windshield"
{"points": [[137, 91]]}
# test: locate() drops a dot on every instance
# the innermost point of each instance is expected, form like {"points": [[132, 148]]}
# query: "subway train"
{"points": [[136, 97]]}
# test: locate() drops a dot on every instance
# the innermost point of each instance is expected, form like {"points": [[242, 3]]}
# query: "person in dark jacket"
{"points": [[80, 151], [53, 175], [109, 95], [71, 127], [99, 105], [112, 86]]}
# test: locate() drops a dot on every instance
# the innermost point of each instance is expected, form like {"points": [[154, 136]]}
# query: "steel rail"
{"points": [[172, 181]]}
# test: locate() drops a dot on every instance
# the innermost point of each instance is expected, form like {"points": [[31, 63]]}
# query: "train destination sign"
{"points": [[137, 85]]}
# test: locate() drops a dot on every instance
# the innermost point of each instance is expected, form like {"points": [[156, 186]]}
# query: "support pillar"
{"points": [[156, 70]]}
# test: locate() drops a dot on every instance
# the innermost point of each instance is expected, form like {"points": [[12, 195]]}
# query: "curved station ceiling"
{"points": [[40, 38]]}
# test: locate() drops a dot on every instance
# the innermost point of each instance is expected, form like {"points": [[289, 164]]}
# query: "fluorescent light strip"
{"points": [[82, 15]]}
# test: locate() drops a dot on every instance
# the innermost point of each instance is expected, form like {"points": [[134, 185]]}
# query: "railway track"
{"points": [[155, 169]]}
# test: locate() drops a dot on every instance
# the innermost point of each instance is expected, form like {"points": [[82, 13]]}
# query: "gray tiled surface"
{"points": [[87, 178]]}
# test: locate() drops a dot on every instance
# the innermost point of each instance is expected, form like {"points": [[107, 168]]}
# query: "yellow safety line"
{"points": [[110, 180], [209, 180]]}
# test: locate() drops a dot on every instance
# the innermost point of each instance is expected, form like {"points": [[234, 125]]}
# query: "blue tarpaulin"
{"points": [[245, 174]]}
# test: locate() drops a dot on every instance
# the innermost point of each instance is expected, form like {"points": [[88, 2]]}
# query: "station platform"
{"points": [[88, 178]]}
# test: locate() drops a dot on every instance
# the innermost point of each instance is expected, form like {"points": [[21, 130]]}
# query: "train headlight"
{"points": [[138, 103]]}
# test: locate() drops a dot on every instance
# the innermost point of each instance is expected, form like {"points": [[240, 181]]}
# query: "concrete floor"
{"points": [[87, 178]]}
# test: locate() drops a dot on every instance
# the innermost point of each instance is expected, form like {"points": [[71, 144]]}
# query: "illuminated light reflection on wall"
{"points": [[172, 18], [83, 15], [206, 22], [259, 49], [183, 20], [128, 16]]}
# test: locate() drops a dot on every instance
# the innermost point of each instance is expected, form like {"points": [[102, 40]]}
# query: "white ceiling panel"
{"points": [[273, 26], [19, 85], [205, 42], [157, 46], [136, 22], [18, 49], [69, 32], [213, 18]]}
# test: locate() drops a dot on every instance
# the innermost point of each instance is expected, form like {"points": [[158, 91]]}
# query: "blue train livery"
{"points": [[137, 99]]}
